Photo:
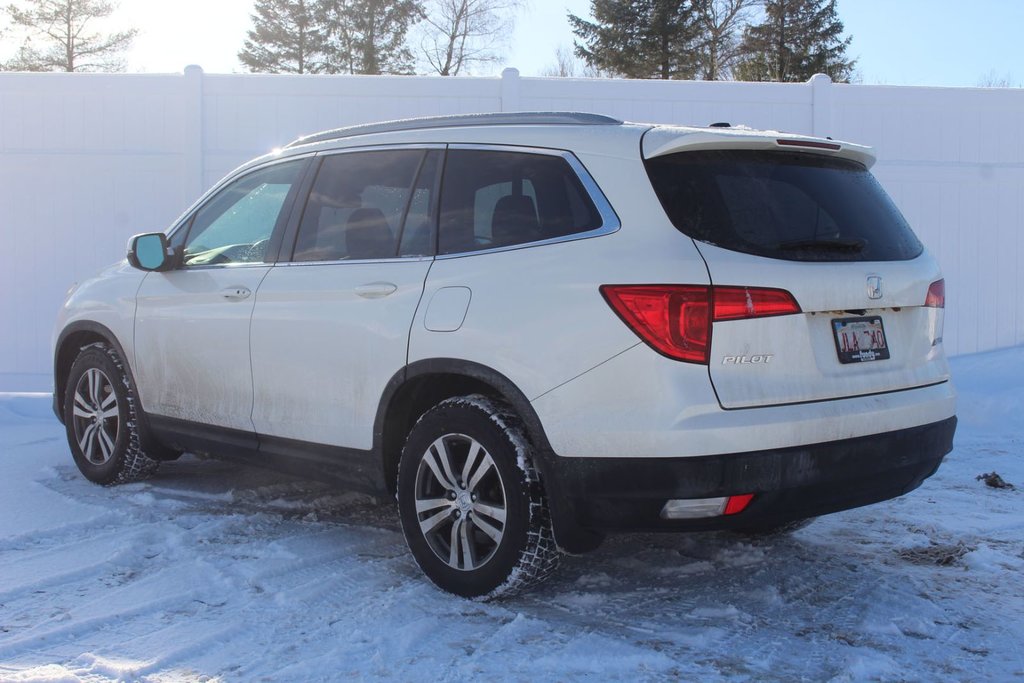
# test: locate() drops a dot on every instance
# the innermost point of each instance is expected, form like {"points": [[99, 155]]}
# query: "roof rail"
{"points": [[496, 119]]}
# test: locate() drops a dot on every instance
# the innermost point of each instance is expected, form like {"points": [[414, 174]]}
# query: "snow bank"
{"points": [[212, 571]]}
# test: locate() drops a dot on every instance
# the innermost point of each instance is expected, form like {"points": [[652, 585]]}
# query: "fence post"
{"points": [[193, 181], [510, 90], [821, 105]]}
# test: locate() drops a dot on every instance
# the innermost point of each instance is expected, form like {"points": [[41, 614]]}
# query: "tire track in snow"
{"points": [[48, 636]]}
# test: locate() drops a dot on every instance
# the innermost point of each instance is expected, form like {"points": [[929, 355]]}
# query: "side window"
{"points": [[498, 199], [358, 206], [235, 225]]}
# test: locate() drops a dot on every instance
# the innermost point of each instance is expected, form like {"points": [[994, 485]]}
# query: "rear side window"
{"points": [[785, 205], [497, 199], [359, 202]]}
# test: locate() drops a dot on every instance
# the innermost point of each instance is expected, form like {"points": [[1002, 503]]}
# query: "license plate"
{"points": [[859, 340]]}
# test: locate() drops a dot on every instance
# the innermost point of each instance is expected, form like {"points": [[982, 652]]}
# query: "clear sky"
{"points": [[897, 42]]}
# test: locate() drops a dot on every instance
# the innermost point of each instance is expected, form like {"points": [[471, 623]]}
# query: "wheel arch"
{"points": [[425, 383], [71, 340]]}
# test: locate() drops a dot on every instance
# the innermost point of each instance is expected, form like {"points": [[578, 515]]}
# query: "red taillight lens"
{"points": [[675, 320], [811, 144], [738, 303], [936, 295], [737, 504]]}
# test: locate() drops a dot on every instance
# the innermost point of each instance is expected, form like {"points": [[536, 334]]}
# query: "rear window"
{"points": [[785, 205]]}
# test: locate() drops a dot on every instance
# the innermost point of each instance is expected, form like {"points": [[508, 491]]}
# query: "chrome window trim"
{"points": [[214, 266], [392, 147], [340, 262], [610, 222]]}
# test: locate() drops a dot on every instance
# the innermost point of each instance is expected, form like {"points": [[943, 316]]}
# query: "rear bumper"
{"points": [[610, 494]]}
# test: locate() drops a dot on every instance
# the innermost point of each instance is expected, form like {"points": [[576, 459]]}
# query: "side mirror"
{"points": [[149, 251]]}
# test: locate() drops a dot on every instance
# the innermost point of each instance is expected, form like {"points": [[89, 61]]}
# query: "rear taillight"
{"points": [[739, 303], [675, 320], [936, 297]]}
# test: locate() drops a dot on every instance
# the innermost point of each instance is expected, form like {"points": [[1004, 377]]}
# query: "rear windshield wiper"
{"points": [[851, 246]]}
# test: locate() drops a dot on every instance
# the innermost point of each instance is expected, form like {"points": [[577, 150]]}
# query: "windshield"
{"points": [[785, 205]]}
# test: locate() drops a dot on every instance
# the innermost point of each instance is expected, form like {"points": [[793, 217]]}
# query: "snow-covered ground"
{"points": [[212, 571]]}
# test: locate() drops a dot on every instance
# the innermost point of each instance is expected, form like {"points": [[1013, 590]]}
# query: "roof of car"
{"points": [[551, 126]]}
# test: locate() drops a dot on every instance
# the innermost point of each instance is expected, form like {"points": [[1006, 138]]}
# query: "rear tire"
{"points": [[101, 418], [471, 503]]}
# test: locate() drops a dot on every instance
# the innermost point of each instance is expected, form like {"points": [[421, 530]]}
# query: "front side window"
{"points": [[366, 205], [236, 224], [495, 198]]}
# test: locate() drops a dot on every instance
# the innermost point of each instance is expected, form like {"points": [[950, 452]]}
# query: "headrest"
{"points": [[367, 235]]}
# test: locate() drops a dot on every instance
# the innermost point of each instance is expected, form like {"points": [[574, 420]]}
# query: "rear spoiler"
{"points": [[662, 140]]}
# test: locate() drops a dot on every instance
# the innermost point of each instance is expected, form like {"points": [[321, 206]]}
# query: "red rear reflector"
{"points": [[811, 144], [675, 320], [737, 504], [936, 295], [738, 303]]}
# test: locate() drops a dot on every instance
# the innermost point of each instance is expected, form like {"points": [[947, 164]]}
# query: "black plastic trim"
{"points": [[196, 437], [75, 328], [352, 468], [850, 397], [788, 483], [454, 366]]}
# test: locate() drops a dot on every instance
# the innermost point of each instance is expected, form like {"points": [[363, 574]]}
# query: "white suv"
{"points": [[533, 329]]}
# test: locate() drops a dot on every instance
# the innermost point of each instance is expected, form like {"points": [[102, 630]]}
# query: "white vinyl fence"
{"points": [[86, 160]]}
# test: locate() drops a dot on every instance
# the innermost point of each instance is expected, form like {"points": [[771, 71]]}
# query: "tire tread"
{"points": [[136, 464]]}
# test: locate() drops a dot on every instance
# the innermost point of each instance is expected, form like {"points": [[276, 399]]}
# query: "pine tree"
{"points": [[287, 37], [639, 38], [369, 36], [797, 39], [60, 26]]}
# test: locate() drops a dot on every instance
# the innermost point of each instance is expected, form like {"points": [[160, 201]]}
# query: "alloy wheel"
{"points": [[97, 421], [460, 502]]}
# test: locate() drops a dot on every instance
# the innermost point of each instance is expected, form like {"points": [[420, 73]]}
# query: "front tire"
{"points": [[102, 421], [471, 502]]}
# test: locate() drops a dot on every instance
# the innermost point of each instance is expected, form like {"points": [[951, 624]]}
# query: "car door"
{"points": [[192, 322], [331, 324]]}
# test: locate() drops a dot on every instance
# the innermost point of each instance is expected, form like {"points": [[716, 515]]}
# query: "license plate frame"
{"points": [[852, 334]]}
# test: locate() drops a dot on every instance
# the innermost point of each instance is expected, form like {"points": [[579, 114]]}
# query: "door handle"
{"points": [[236, 293], [376, 290]]}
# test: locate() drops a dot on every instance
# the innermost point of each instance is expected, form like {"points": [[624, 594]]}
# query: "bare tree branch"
{"points": [[458, 34], [722, 23], [61, 28]]}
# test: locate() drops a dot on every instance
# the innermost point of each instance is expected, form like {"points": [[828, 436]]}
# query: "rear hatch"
{"points": [[804, 215]]}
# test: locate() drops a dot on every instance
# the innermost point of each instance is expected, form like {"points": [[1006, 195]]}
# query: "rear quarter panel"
{"points": [[536, 314]]}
